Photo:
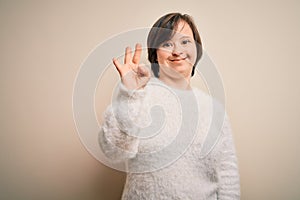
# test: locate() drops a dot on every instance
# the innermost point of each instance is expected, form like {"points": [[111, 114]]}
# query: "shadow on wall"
{"points": [[108, 183]]}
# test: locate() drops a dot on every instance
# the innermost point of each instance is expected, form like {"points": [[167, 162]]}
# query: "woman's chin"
{"points": [[176, 70], [176, 74], [181, 71]]}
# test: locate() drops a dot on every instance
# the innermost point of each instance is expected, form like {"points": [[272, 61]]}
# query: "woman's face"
{"points": [[177, 56]]}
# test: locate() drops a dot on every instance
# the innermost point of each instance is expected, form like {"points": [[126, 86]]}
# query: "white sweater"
{"points": [[173, 152]]}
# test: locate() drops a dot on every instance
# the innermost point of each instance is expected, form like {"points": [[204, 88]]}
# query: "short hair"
{"points": [[158, 35]]}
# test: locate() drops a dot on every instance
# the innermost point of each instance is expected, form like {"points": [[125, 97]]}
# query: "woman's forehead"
{"points": [[183, 29]]}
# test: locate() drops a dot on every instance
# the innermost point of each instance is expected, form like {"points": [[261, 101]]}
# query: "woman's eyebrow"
{"points": [[185, 36]]}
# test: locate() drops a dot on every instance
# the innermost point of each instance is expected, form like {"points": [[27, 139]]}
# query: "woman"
{"points": [[163, 159]]}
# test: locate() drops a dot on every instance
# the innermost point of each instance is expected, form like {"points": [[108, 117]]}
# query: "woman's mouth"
{"points": [[177, 59]]}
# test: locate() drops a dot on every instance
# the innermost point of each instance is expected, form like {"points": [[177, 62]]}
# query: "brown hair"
{"points": [[162, 30]]}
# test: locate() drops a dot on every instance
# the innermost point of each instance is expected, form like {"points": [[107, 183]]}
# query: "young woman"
{"points": [[162, 149]]}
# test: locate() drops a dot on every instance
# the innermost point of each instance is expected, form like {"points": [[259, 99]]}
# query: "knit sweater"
{"points": [[159, 134]]}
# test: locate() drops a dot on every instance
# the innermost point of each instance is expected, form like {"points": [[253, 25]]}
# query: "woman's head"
{"points": [[174, 41]]}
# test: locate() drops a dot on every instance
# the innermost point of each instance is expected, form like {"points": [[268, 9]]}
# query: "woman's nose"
{"points": [[177, 51]]}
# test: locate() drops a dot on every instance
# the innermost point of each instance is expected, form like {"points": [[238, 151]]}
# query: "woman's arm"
{"points": [[118, 135], [228, 175]]}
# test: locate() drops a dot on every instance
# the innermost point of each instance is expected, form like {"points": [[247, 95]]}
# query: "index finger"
{"points": [[127, 55], [137, 53]]}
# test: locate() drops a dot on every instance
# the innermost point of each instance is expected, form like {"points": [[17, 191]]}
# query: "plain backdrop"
{"points": [[255, 45]]}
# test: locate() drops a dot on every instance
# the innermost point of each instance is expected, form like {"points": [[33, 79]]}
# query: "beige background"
{"points": [[255, 45]]}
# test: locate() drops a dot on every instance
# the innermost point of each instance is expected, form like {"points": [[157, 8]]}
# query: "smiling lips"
{"points": [[177, 59]]}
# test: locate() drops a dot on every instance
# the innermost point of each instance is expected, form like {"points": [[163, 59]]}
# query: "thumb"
{"points": [[143, 71]]}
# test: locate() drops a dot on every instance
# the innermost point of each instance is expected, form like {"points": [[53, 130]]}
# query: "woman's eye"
{"points": [[167, 44], [186, 41]]}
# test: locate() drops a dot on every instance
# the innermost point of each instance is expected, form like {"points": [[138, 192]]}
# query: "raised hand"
{"points": [[133, 74]]}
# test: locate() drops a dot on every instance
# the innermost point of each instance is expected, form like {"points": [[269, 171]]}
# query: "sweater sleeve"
{"points": [[228, 175], [117, 137]]}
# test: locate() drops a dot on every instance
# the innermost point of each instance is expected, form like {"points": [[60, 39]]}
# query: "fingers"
{"points": [[117, 65], [137, 53], [130, 63], [128, 55], [136, 56]]}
